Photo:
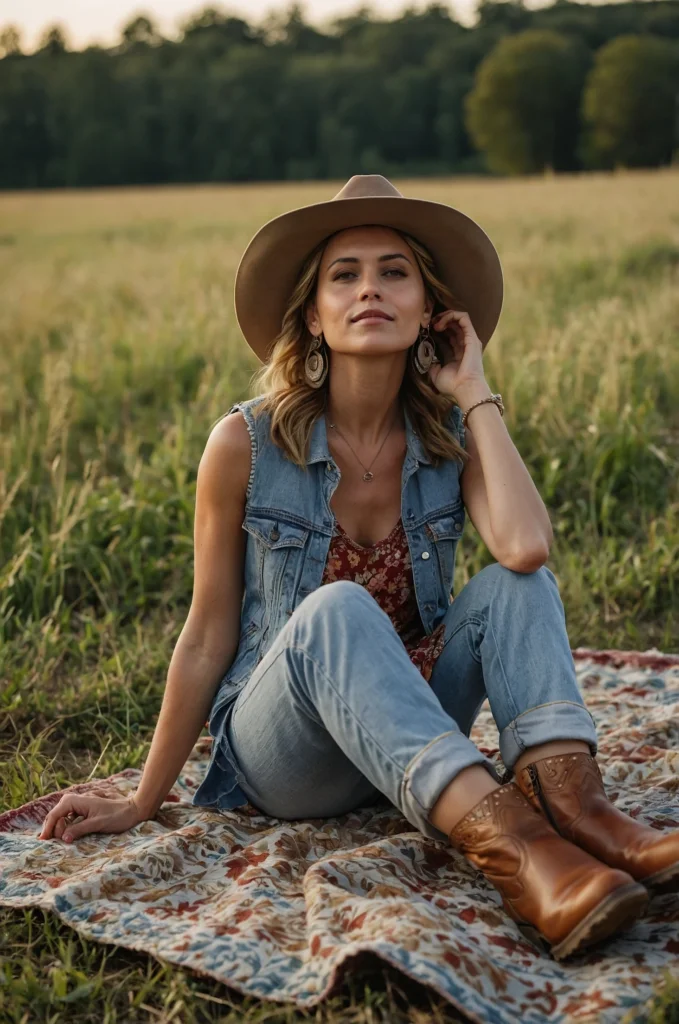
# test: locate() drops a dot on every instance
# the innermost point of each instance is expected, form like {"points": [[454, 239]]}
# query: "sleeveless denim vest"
{"points": [[289, 527]]}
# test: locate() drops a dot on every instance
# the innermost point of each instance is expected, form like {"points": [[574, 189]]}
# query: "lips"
{"points": [[371, 313]]}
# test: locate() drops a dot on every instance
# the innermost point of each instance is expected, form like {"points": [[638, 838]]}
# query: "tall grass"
{"points": [[118, 349]]}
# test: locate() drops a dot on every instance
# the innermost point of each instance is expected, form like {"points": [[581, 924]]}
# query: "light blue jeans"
{"points": [[336, 716]]}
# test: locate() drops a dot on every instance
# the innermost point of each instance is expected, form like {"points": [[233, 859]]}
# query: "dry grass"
{"points": [[119, 348]]}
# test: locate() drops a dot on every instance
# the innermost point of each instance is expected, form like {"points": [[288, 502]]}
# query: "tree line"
{"points": [[565, 88]]}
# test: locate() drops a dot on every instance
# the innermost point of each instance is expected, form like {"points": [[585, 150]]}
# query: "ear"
{"points": [[428, 310], [311, 318]]}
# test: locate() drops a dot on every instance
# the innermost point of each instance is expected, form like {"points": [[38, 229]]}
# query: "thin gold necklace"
{"points": [[367, 476]]}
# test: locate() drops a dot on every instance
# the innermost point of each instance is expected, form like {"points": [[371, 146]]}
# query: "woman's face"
{"points": [[363, 268]]}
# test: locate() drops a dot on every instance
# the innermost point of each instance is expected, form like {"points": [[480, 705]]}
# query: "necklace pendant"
{"points": [[368, 475]]}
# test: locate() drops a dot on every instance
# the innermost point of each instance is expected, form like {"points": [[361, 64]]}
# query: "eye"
{"points": [[391, 270]]}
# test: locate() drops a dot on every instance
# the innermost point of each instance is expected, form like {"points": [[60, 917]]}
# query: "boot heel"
{"points": [[663, 881], [615, 913]]}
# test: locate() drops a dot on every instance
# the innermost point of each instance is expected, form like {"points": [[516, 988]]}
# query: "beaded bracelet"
{"points": [[495, 399]]}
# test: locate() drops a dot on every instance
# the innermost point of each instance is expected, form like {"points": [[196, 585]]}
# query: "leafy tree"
{"points": [[289, 29], [663, 20], [53, 41], [240, 136], [350, 119], [213, 33], [407, 40], [521, 111], [630, 104], [140, 32], [509, 15], [26, 149], [92, 122], [10, 41]]}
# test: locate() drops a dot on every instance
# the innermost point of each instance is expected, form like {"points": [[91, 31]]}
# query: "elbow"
{"points": [[526, 559]]}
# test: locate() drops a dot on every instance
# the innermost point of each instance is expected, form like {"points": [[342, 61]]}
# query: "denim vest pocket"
{"points": [[274, 532], [446, 531]]}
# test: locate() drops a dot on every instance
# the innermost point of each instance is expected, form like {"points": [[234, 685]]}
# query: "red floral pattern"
{"points": [[385, 570]]}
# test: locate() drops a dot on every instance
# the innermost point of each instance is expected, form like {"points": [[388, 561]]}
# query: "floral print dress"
{"points": [[385, 570]]}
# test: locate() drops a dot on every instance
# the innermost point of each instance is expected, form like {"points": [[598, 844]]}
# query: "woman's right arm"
{"points": [[206, 646], [209, 640]]}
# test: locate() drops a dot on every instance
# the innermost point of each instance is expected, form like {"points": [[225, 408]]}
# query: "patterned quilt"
{"points": [[274, 908]]}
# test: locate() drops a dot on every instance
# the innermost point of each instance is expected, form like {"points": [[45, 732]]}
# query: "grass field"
{"points": [[119, 348]]}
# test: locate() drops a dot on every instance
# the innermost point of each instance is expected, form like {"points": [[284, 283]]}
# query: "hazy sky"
{"points": [[99, 21]]}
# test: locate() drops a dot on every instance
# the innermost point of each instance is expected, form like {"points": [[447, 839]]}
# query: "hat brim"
{"points": [[466, 259]]}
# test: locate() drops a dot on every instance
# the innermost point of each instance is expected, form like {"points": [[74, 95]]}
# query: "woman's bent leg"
{"points": [[336, 713], [506, 639]]}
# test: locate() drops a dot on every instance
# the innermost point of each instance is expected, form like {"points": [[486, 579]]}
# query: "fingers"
{"points": [[59, 828], [65, 823], [445, 317], [451, 317], [81, 828], [448, 314], [70, 806], [457, 326], [62, 808]]}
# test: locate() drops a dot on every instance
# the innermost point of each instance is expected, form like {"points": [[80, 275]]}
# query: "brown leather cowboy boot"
{"points": [[561, 898], [569, 790]]}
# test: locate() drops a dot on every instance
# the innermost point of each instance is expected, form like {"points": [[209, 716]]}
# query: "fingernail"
{"points": [[68, 837]]}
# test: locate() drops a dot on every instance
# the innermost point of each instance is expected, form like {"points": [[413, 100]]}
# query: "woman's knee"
{"points": [[498, 575], [339, 597], [497, 586]]}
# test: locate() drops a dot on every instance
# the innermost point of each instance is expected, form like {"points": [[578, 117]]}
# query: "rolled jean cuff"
{"points": [[558, 720], [429, 773]]}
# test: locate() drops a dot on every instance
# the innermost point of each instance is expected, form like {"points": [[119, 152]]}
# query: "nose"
{"points": [[370, 285]]}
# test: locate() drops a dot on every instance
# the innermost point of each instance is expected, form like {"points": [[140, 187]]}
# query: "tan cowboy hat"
{"points": [[465, 257]]}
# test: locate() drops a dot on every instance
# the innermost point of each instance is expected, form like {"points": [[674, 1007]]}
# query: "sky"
{"points": [[89, 21]]}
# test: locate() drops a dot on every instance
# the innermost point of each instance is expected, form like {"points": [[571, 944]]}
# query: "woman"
{"points": [[352, 675]]}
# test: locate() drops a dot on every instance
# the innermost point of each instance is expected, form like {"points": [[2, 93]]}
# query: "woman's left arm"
{"points": [[498, 492]]}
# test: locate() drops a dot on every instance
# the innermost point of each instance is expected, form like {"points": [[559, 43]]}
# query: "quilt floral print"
{"points": [[274, 908]]}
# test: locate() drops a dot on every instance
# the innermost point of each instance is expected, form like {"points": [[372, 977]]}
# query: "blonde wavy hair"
{"points": [[295, 405]]}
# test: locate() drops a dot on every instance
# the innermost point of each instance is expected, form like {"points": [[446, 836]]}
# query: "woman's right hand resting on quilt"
{"points": [[206, 647], [98, 813]]}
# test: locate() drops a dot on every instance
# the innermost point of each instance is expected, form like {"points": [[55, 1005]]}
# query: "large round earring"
{"points": [[316, 362], [425, 353]]}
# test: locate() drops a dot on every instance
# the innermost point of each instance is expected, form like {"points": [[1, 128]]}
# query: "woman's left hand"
{"points": [[461, 351]]}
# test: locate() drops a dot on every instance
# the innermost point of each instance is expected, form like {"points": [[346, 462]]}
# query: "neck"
{"points": [[363, 408]]}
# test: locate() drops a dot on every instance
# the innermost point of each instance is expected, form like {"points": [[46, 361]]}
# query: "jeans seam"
{"points": [[249, 690], [508, 689], [469, 621]]}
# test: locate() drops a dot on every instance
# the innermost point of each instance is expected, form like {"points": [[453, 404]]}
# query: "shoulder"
{"points": [[230, 433], [225, 463]]}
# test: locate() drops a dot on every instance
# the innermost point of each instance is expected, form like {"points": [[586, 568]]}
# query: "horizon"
{"points": [[91, 23]]}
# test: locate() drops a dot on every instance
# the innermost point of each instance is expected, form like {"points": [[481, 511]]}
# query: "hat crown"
{"points": [[363, 186]]}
